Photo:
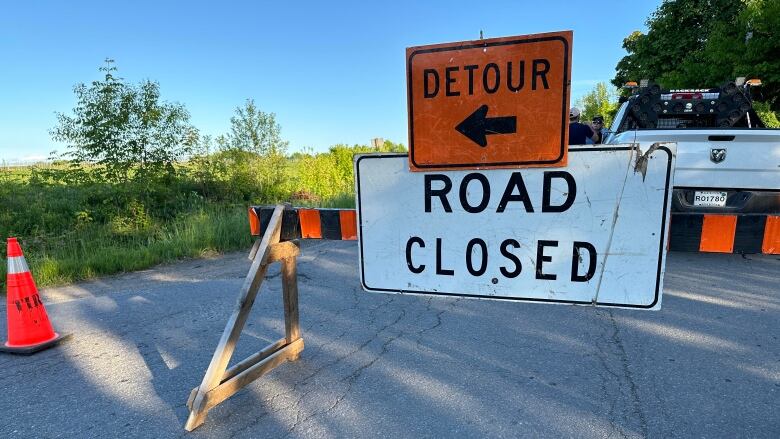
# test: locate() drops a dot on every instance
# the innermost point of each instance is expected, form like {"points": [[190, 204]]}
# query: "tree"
{"points": [[206, 166], [253, 154], [125, 129], [389, 146], [748, 46], [767, 116], [602, 100], [704, 43], [252, 130], [677, 33]]}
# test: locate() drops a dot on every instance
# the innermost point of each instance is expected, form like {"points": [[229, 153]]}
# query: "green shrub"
{"points": [[767, 116], [72, 225]]}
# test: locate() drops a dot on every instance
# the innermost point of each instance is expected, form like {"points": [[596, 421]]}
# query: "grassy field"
{"points": [[74, 227], [97, 251]]}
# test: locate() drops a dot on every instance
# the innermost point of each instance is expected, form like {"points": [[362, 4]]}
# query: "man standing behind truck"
{"points": [[597, 123], [579, 132]]}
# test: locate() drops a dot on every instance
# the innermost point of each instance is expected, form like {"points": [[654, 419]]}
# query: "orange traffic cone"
{"points": [[29, 329]]}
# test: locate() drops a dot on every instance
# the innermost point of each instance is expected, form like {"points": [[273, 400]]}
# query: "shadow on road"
{"points": [[707, 364]]}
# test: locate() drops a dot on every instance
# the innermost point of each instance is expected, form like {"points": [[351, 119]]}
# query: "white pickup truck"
{"points": [[728, 165]]}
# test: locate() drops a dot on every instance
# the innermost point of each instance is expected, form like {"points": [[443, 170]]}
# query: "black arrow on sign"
{"points": [[477, 126]]}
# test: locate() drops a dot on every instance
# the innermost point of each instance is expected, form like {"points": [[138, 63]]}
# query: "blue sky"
{"points": [[333, 72]]}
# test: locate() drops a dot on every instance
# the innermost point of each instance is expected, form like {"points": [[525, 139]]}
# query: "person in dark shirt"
{"points": [[597, 123], [579, 132]]}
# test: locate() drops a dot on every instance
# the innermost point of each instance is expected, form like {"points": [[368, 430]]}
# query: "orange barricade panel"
{"points": [[254, 222], [310, 223], [771, 245], [717, 233], [348, 221]]}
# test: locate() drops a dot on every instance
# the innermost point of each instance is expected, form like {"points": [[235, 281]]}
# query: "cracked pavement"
{"points": [[376, 365]]}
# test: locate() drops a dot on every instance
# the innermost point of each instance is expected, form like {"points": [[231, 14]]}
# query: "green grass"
{"points": [[339, 201], [75, 224], [97, 252]]}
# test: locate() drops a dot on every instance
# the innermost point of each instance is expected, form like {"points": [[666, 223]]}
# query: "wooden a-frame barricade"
{"points": [[220, 383]]}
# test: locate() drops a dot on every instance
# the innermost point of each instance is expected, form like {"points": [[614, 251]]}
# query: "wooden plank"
{"points": [[253, 251], [246, 298], [235, 324], [254, 359], [191, 399], [278, 251], [230, 387], [283, 250], [290, 291], [244, 365]]}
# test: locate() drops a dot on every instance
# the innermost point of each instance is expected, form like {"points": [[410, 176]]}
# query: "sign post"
{"points": [[494, 103]]}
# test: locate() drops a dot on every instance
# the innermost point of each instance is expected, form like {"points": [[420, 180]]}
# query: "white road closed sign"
{"points": [[591, 233]]}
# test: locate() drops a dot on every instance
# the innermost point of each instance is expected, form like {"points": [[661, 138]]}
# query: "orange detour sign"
{"points": [[495, 103]]}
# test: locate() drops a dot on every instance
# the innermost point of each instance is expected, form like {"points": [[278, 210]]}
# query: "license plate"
{"points": [[709, 199]]}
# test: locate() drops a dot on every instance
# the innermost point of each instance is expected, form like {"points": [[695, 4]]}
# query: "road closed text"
{"points": [[473, 194], [593, 232], [477, 256]]}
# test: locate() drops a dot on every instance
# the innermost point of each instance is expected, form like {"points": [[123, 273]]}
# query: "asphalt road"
{"points": [[706, 365]]}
